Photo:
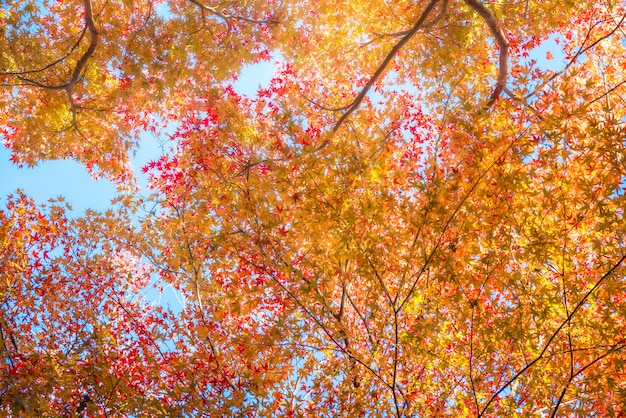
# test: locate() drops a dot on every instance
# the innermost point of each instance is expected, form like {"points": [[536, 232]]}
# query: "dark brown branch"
{"points": [[90, 24], [5, 348], [611, 90], [396, 353], [559, 402], [382, 67], [214, 12], [343, 299], [503, 44], [524, 102], [438, 18], [95, 39]]}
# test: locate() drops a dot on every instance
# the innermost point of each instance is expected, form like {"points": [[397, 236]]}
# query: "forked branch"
{"points": [[226, 18], [552, 338], [90, 26]]}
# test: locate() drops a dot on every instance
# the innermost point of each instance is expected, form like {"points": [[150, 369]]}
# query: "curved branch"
{"points": [[95, 40], [53, 63], [501, 40], [90, 25]]}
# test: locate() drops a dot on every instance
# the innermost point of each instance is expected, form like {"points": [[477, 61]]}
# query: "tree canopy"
{"points": [[421, 215]]}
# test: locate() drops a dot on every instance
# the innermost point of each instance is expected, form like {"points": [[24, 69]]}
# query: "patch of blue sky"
{"points": [[68, 178], [163, 11], [254, 77], [52, 179]]}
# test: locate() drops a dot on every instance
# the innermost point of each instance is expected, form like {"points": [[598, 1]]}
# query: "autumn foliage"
{"points": [[422, 214]]}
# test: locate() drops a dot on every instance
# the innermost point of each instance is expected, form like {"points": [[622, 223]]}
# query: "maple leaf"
{"points": [[415, 217]]}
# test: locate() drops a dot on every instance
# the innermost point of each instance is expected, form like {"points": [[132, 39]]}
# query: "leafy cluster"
{"points": [[422, 214]]}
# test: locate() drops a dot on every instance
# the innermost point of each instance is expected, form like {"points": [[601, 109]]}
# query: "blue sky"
{"points": [[67, 178]]}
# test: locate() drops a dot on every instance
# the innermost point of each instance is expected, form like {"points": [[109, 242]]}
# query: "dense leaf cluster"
{"points": [[422, 214]]}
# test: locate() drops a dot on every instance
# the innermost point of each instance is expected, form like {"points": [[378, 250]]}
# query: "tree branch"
{"points": [[381, 69], [451, 217], [501, 40], [90, 25], [228, 17], [554, 334], [53, 63]]}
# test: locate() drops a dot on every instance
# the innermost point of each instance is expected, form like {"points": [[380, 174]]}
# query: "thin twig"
{"points": [[554, 334]]}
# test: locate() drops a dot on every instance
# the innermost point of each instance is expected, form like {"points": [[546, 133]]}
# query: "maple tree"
{"points": [[422, 214]]}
